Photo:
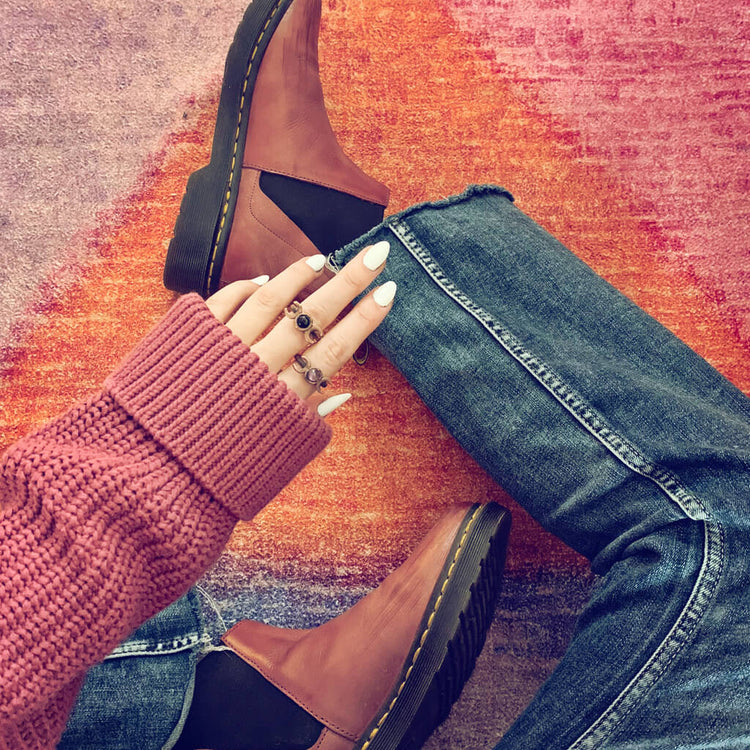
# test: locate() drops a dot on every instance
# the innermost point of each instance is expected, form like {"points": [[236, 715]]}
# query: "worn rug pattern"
{"points": [[619, 125]]}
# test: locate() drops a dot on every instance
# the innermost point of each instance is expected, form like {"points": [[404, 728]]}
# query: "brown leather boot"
{"points": [[385, 673], [278, 186]]}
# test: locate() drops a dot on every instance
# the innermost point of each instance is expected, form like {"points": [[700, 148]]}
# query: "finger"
{"points": [[317, 399], [338, 345], [224, 303], [324, 403], [323, 305], [325, 406], [263, 307]]}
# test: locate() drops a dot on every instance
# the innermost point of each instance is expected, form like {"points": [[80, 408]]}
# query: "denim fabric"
{"points": [[617, 438], [611, 432], [139, 696]]}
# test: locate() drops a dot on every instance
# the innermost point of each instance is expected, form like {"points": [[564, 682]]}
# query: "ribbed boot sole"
{"points": [[450, 637], [196, 251]]}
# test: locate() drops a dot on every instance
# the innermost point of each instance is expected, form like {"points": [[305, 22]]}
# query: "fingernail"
{"points": [[376, 255], [384, 294], [260, 280], [327, 406], [316, 262]]}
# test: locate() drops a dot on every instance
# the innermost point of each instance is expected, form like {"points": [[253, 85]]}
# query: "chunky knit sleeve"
{"points": [[115, 509]]}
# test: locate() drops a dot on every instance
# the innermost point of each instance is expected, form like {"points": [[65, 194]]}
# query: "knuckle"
{"points": [[266, 300], [354, 279], [334, 353], [367, 313]]}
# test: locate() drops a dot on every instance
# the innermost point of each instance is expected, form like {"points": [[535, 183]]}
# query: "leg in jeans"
{"points": [[139, 696], [616, 437]]}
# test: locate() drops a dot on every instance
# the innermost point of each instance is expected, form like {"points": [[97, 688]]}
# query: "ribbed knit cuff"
{"points": [[215, 406]]}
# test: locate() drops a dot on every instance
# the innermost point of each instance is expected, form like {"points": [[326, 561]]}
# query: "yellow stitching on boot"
{"points": [[430, 620], [225, 208]]}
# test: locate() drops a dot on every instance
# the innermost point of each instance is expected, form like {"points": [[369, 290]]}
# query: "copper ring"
{"points": [[311, 374], [304, 322]]}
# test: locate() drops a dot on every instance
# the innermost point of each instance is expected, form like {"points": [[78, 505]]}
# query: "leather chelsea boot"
{"points": [[384, 674], [278, 186]]}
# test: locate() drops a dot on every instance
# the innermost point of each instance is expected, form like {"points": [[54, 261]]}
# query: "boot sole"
{"points": [[196, 251], [450, 637]]}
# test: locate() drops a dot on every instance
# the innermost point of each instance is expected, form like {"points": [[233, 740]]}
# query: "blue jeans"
{"points": [[617, 438], [139, 696]]}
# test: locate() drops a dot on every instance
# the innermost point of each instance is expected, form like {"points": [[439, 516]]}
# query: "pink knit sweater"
{"points": [[112, 511]]}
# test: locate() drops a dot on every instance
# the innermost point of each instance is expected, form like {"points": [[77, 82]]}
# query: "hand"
{"points": [[248, 308]]}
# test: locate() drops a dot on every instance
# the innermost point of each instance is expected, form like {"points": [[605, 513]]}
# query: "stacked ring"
{"points": [[311, 374], [304, 322]]}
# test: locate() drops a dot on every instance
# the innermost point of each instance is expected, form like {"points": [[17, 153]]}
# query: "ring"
{"points": [[313, 332], [311, 374]]}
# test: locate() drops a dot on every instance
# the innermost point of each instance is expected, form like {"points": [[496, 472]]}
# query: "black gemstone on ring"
{"points": [[303, 322], [313, 375]]}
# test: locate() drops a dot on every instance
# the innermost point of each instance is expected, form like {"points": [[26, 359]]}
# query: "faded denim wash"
{"points": [[617, 438], [139, 697]]}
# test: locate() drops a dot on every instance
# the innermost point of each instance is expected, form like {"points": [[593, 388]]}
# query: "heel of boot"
{"points": [[186, 268], [467, 640], [452, 635], [196, 252]]}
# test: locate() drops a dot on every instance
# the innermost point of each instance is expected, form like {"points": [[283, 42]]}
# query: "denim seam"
{"points": [[687, 622], [574, 403], [214, 606], [669, 649], [187, 703], [148, 648]]}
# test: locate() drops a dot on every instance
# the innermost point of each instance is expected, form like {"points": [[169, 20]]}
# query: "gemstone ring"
{"points": [[311, 374], [304, 322]]}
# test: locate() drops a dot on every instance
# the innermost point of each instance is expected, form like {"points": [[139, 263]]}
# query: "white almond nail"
{"points": [[260, 280], [327, 406], [384, 294], [376, 255], [316, 262]]}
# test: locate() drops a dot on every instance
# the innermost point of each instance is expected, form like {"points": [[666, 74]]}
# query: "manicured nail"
{"points": [[327, 406], [384, 294], [260, 280], [376, 255], [316, 262]]}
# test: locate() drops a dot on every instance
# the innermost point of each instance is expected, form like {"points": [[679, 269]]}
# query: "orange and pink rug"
{"points": [[620, 126]]}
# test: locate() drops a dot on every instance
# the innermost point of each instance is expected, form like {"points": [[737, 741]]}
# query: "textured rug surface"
{"points": [[620, 126]]}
